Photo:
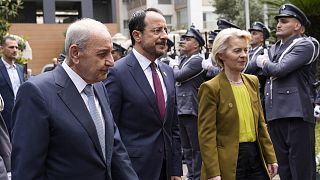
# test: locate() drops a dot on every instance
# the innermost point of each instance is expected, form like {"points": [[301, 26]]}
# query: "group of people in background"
{"points": [[244, 111]]}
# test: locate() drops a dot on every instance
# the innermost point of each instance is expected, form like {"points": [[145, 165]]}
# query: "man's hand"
{"points": [[273, 169], [176, 178], [206, 63], [316, 112], [174, 62]]}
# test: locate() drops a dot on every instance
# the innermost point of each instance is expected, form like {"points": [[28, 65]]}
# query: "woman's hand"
{"points": [[273, 169], [215, 178]]}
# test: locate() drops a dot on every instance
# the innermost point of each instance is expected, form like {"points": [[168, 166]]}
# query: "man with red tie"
{"points": [[142, 97]]}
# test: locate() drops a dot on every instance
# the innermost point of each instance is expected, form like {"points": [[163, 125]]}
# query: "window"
{"points": [[125, 24], [164, 1], [168, 19], [209, 20]]}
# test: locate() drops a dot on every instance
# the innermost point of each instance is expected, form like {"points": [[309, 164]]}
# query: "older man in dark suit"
{"points": [[63, 126], [142, 96], [11, 76]]}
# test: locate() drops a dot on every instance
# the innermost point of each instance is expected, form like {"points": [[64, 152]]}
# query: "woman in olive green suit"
{"points": [[233, 137]]}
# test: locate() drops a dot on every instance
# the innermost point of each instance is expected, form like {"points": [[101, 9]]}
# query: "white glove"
{"points": [[206, 63], [174, 62], [261, 59], [316, 112]]}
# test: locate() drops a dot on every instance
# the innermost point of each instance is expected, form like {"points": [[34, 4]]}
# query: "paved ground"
{"points": [[185, 172]]}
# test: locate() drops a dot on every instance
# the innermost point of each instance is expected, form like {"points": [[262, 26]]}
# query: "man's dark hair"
{"points": [[136, 21], [5, 38]]}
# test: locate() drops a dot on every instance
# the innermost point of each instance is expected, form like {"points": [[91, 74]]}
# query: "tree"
{"points": [[8, 8], [233, 11], [312, 11]]}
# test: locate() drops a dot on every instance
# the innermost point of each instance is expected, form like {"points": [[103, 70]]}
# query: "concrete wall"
{"points": [[46, 41]]}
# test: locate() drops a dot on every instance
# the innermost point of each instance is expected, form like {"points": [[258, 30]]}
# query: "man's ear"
{"points": [[298, 25], [74, 53], [136, 35]]}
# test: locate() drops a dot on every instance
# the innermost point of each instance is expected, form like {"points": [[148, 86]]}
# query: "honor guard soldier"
{"points": [[259, 34], [117, 51], [189, 75], [207, 64], [288, 100], [211, 36]]}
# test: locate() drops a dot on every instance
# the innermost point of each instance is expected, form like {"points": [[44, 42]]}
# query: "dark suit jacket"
{"points": [[6, 92], [5, 150], [147, 137], [54, 136]]}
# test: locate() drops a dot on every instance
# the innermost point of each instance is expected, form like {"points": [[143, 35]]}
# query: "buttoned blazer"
{"points": [[54, 136], [148, 138], [189, 77], [218, 124], [6, 91], [288, 94]]}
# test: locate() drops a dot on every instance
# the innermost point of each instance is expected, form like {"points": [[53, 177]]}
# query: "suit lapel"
{"points": [[20, 73], [5, 74], [108, 119], [142, 81], [73, 100]]}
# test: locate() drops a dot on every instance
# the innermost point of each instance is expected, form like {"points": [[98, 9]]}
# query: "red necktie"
{"points": [[158, 90]]}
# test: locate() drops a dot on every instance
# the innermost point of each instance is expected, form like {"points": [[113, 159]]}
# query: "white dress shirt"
{"points": [[80, 85], [13, 75]]}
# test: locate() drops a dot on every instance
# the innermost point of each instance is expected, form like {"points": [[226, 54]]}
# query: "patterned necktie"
{"points": [[158, 90], [95, 115]]}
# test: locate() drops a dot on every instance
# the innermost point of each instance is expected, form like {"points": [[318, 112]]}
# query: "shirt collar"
{"points": [[75, 78], [143, 61], [8, 66]]}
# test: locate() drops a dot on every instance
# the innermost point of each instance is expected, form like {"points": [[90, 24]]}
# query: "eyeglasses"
{"points": [[159, 30]]}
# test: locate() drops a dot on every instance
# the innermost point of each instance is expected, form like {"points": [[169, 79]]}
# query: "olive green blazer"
{"points": [[218, 125]]}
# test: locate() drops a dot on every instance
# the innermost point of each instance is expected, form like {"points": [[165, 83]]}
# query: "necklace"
{"points": [[236, 82]]}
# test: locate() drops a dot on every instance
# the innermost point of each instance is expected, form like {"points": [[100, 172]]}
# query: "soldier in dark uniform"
{"points": [[288, 101], [189, 76], [259, 33]]}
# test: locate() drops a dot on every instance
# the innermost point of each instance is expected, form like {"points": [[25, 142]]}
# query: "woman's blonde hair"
{"points": [[221, 42]]}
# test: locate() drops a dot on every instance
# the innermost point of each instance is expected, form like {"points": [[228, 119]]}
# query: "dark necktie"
{"points": [[158, 90]]}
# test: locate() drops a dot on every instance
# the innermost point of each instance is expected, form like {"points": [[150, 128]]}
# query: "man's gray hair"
{"points": [[79, 33]]}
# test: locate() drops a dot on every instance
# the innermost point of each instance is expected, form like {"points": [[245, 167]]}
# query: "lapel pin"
{"points": [[164, 73]]}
